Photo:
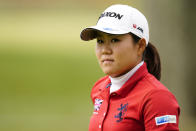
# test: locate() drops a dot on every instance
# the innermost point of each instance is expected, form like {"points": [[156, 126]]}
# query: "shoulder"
{"points": [[101, 81], [157, 101], [99, 85], [153, 89], [153, 96], [149, 85]]}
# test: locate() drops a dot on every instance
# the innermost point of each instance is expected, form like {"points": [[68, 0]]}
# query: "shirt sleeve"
{"points": [[160, 111]]}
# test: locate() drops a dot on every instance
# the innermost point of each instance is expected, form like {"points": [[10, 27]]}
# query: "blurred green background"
{"points": [[47, 72]]}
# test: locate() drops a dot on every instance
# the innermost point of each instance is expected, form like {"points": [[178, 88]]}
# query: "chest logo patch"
{"points": [[97, 104], [121, 112]]}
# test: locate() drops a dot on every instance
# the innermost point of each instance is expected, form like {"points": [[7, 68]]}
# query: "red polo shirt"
{"points": [[141, 104]]}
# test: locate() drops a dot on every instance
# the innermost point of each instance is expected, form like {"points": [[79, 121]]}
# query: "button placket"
{"points": [[103, 114], [105, 106]]}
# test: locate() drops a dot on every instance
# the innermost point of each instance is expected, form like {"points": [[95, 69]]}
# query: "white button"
{"points": [[99, 126], [104, 114]]}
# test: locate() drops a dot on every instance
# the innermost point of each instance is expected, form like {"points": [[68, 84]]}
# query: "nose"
{"points": [[106, 48]]}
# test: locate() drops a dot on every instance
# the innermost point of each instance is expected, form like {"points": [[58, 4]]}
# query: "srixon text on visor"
{"points": [[111, 14]]}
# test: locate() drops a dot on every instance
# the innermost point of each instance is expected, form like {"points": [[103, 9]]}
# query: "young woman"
{"points": [[130, 97]]}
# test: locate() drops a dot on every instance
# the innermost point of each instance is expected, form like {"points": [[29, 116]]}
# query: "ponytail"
{"points": [[151, 57]]}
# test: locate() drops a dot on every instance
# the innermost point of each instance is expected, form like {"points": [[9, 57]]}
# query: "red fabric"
{"points": [[134, 106]]}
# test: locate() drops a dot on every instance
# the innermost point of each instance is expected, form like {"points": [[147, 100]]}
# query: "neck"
{"points": [[117, 82]]}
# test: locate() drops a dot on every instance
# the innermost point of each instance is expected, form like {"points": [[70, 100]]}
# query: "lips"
{"points": [[107, 61]]}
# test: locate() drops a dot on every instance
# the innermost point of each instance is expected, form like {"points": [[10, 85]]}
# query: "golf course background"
{"points": [[47, 72]]}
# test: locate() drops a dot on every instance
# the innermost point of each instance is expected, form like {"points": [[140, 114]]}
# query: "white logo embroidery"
{"points": [[165, 119], [97, 104]]}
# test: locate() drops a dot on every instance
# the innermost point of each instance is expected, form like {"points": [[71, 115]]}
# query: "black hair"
{"points": [[151, 57]]}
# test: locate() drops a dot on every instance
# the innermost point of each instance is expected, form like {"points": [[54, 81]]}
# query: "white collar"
{"points": [[118, 82]]}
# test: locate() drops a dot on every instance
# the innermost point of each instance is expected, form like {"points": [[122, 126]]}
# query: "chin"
{"points": [[109, 72]]}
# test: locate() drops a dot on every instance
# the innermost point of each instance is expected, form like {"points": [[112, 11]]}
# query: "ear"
{"points": [[141, 46]]}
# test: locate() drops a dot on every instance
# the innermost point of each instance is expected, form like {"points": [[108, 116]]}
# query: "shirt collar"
{"points": [[118, 82], [131, 82]]}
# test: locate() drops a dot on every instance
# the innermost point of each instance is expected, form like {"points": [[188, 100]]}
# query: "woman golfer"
{"points": [[130, 97]]}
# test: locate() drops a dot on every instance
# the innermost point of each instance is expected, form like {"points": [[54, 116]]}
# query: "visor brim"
{"points": [[90, 33]]}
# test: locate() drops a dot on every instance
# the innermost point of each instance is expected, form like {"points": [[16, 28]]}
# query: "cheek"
{"points": [[97, 53], [126, 57]]}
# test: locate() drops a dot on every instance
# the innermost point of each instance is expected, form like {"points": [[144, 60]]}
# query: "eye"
{"points": [[114, 40], [99, 41]]}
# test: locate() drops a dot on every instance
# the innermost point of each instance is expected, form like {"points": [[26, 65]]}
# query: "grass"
{"points": [[46, 72], [50, 92]]}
